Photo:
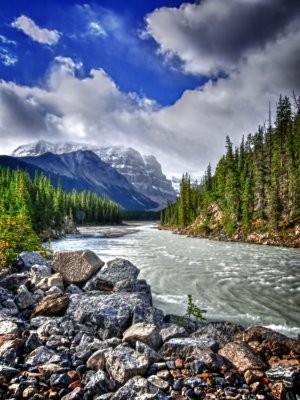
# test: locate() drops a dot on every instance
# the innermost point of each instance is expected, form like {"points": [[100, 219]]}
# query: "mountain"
{"points": [[143, 172], [83, 170]]}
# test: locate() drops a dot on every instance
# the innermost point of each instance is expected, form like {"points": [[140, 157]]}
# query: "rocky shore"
{"points": [[75, 328]]}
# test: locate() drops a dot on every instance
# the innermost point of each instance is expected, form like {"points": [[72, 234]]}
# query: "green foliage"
{"points": [[254, 185], [193, 311], [30, 207]]}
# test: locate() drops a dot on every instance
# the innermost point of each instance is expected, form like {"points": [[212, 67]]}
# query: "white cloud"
{"points": [[7, 57], [6, 41], [40, 35], [95, 29]]}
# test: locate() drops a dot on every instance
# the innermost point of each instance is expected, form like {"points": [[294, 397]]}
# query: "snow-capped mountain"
{"points": [[143, 172]]}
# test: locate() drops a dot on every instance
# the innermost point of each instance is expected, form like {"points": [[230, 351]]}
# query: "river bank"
{"points": [[290, 238], [76, 328]]}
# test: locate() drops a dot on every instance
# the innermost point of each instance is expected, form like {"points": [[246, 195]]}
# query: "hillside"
{"points": [[254, 194]]}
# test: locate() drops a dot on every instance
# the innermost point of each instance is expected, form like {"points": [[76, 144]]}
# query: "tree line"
{"points": [[256, 186], [29, 207]]}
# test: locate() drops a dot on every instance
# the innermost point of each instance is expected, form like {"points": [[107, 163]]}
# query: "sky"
{"points": [[168, 77]]}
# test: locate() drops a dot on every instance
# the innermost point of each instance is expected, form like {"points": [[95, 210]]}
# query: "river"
{"points": [[242, 283]]}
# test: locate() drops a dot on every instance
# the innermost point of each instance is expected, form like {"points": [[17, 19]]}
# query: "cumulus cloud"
{"points": [[210, 37], [184, 136], [40, 35]]}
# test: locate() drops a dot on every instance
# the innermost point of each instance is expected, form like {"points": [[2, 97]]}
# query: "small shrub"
{"points": [[194, 311]]}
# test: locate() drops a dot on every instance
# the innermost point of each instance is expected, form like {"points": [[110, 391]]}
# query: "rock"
{"points": [[242, 356], [191, 349], [136, 388], [52, 304], [96, 360], [148, 352], [221, 332], [252, 376], [74, 395], [39, 356], [29, 258], [269, 341], [73, 289], [50, 281], [60, 380], [287, 375], [172, 331], [116, 271], [24, 298], [111, 314], [146, 333], [8, 372], [12, 282], [123, 363], [99, 383], [158, 382], [8, 357], [38, 272], [8, 327], [278, 391], [53, 290], [77, 266]]}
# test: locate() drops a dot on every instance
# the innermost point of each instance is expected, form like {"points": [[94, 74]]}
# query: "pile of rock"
{"points": [[74, 328]]}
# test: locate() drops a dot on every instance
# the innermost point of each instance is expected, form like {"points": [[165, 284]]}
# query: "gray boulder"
{"points": [[191, 349], [38, 272], [29, 258], [77, 266], [110, 315], [99, 383], [288, 375], [137, 388], [24, 298], [146, 333], [41, 355], [115, 271], [123, 363], [172, 331], [222, 332]]}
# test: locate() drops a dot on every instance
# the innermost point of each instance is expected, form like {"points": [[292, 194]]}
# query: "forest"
{"points": [[31, 207], [255, 186]]}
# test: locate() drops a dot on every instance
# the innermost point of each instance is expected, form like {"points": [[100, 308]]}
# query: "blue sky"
{"points": [[170, 78], [132, 62]]}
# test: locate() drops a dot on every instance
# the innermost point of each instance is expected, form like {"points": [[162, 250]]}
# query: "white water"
{"points": [[243, 283]]}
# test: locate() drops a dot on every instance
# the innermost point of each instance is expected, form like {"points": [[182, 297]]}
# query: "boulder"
{"points": [[115, 271], [110, 314], [29, 258], [137, 388], [287, 375], [268, 341], [39, 272], [50, 281], [77, 266], [172, 331], [51, 304], [242, 356], [13, 282], [146, 333], [192, 349], [123, 363], [96, 360], [8, 327], [148, 352], [24, 298], [98, 383], [222, 332], [39, 356]]}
